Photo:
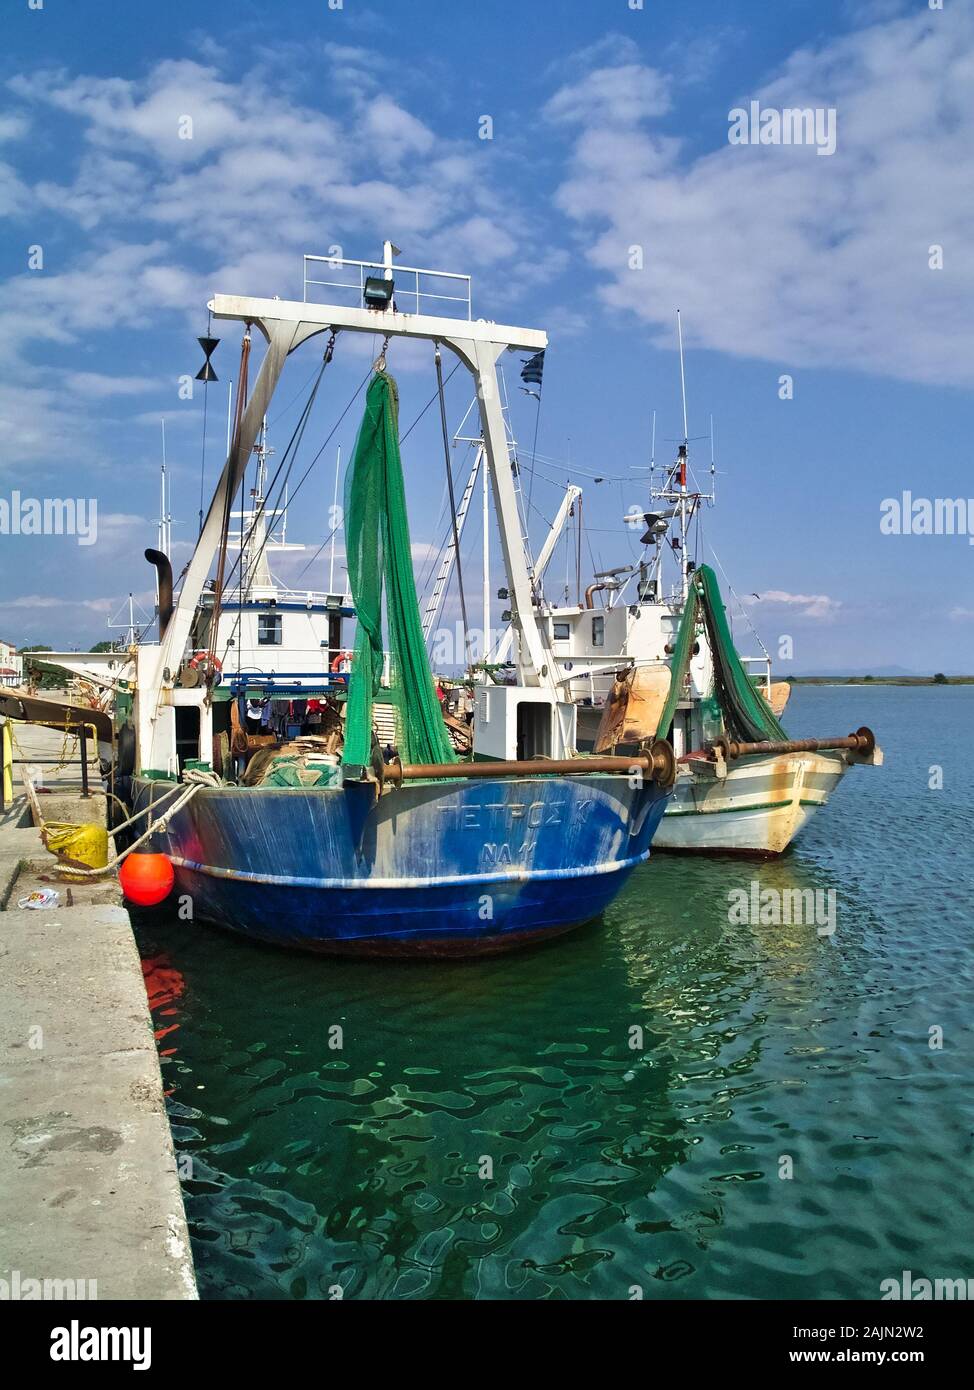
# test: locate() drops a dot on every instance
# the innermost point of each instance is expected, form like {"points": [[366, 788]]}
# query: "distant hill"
{"points": [[870, 679], [847, 674]]}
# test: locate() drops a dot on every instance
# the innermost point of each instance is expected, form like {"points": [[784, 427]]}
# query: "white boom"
{"points": [[572, 494]]}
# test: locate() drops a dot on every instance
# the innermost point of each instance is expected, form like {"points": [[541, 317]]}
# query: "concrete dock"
{"points": [[89, 1193]]}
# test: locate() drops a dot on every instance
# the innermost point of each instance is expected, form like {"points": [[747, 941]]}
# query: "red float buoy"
{"points": [[146, 878]]}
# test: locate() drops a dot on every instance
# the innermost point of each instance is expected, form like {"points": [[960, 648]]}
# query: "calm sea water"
{"points": [[612, 1167]]}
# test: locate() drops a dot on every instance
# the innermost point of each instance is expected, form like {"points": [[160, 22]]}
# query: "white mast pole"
{"points": [[683, 481], [334, 532], [486, 516], [162, 491]]}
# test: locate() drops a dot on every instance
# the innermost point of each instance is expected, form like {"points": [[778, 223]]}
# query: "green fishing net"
{"points": [[380, 564], [747, 715]]}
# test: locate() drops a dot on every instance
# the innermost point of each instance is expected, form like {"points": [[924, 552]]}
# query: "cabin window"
{"points": [[561, 632], [598, 631], [269, 629]]}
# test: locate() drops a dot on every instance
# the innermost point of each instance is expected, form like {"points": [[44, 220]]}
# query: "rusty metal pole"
{"points": [[658, 765], [862, 741], [83, 730]]}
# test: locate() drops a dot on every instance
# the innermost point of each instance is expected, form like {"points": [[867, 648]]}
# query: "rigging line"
{"points": [[203, 456], [435, 555], [404, 437], [293, 402], [333, 432], [591, 553], [534, 446], [578, 549], [235, 447], [293, 445], [267, 532], [331, 436], [438, 360], [434, 558], [335, 529], [570, 466], [238, 627], [209, 326], [740, 603], [304, 476]]}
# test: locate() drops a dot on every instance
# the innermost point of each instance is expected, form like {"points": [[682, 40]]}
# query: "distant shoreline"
{"points": [[878, 680]]}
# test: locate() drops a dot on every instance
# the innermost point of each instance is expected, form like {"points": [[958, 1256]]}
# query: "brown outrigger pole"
{"points": [[657, 765], [862, 741]]}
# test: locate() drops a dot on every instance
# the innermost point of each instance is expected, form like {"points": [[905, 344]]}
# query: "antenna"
{"points": [[165, 517], [683, 383]]}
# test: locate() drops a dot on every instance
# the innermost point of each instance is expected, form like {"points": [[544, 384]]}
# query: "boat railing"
{"points": [[308, 598], [415, 285], [764, 661], [597, 678]]}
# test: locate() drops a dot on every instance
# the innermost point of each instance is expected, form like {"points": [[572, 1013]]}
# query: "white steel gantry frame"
{"points": [[286, 325]]}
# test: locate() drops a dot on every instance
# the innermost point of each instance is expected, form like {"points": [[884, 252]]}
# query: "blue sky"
{"points": [[314, 127]]}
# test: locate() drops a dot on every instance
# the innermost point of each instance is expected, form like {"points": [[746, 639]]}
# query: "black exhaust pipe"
{"points": [[164, 575]]}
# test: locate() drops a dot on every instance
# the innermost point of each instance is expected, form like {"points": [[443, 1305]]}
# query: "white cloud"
{"points": [[13, 126], [99, 385], [776, 253], [818, 606], [611, 96]]}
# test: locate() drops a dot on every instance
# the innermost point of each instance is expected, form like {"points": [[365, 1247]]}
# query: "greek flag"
{"points": [[533, 368]]}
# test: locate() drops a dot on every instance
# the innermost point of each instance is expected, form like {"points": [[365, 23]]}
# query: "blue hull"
{"points": [[431, 869]]}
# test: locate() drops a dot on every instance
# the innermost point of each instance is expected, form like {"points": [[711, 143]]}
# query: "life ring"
{"points": [[207, 663], [339, 660]]}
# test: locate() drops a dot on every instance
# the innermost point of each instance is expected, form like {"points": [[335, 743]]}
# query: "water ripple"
{"points": [[780, 1127]]}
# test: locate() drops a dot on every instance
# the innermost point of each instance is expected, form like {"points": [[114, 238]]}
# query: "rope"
{"points": [[196, 780], [241, 405], [453, 500]]}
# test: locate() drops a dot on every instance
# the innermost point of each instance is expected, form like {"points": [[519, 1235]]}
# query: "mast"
{"points": [[334, 521], [682, 465], [486, 523], [676, 490], [165, 519]]}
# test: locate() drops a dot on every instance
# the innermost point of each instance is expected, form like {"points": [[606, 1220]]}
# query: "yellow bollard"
{"points": [[7, 761], [80, 846]]}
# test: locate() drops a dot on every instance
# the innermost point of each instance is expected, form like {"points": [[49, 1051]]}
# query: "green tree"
{"points": [[47, 679], [940, 679]]}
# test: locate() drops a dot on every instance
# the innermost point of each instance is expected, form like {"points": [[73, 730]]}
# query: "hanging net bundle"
{"points": [[380, 562], [747, 715]]}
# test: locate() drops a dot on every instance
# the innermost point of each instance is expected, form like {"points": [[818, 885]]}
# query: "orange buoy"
{"points": [[146, 878]]}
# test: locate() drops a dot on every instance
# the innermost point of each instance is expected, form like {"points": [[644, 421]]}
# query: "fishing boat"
{"points": [[330, 842], [654, 656]]}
